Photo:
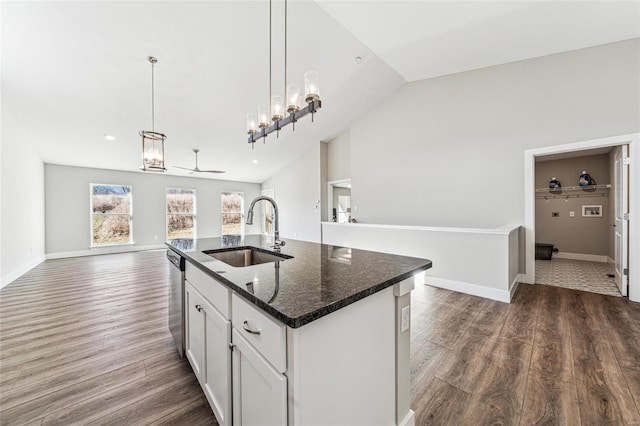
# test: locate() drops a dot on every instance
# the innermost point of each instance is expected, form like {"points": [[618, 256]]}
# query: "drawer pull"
{"points": [[199, 308], [245, 325]]}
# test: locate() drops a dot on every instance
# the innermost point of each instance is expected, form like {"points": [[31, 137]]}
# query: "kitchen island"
{"points": [[317, 334]]}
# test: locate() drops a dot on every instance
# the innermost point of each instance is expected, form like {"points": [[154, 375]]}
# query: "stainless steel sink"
{"points": [[245, 256]]}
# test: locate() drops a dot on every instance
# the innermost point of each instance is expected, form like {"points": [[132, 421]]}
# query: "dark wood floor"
{"points": [[85, 341]]}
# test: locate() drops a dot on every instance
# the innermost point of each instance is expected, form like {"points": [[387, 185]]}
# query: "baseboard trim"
{"points": [[103, 250], [580, 256], [12, 276], [409, 419], [611, 263], [468, 288], [514, 285]]}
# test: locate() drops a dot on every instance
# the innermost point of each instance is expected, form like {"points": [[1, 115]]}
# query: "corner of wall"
{"points": [[22, 199]]}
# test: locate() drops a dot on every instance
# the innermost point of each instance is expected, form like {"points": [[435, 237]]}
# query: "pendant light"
{"points": [[152, 141], [285, 109]]}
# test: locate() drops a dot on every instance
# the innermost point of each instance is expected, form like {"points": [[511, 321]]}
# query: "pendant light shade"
{"points": [[152, 151], [152, 141]]}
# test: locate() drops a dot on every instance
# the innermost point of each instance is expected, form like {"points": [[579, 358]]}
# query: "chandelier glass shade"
{"points": [[152, 141]]}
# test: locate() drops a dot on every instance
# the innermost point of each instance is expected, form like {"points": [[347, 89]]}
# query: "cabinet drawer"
{"points": [[268, 336], [217, 294]]}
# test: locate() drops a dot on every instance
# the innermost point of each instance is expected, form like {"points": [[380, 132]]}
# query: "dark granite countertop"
{"points": [[316, 281]]}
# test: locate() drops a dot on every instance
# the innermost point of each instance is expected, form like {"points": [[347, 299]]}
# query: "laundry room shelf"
{"points": [[573, 192]]}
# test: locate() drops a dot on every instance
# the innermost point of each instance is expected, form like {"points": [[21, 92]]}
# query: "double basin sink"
{"points": [[246, 256]]}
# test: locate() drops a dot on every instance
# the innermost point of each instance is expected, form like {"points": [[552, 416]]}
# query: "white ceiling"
{"points": [[75, 71]]}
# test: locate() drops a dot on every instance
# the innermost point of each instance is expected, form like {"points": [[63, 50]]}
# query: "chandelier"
{"points": [[284, 110], [152, 141]]}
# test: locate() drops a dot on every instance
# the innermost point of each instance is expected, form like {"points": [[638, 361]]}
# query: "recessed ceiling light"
{"points": [[255, 161], [110, 137]]}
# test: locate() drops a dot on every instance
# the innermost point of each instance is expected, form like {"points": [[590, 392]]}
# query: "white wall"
{"points": [[482, 262], [68, 214], [448, 151], [22, 201], [339, 157], [298, 193]]}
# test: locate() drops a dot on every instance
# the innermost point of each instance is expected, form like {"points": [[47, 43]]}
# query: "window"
{"points": [[181, 213], [232, 208], [110, 214], [267, 215]]}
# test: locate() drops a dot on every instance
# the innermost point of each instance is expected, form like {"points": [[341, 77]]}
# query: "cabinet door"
{"points": [[194, 327], [259, 390], [217, 366]]}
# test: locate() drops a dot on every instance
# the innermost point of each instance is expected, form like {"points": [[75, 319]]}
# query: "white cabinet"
{"points": [[208, 337], [347, 368], [194, 328], [259, 390]]}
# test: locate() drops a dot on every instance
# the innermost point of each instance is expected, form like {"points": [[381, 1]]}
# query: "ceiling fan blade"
{"points": [[213, 171]]}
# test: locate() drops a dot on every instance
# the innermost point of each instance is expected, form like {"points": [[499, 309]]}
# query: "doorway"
{"points": [[632, 257], [339, 195], [574, 210]]}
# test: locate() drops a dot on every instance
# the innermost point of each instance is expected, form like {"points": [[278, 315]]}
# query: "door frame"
{"points": [[633, 140]]}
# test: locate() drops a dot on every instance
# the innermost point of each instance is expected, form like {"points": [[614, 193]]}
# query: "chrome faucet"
{"points": [[276, 232]]}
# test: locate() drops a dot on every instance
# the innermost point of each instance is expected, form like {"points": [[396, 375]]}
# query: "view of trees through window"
{"points": [[232, 208], [110, 214], [181, 213]]}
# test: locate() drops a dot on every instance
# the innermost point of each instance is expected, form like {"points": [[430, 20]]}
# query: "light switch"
{"points": [[572, 214]]}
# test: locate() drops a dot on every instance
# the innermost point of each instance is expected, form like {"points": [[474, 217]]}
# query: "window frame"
{"points": [[241, 212], [194, 214], [92, 243]]}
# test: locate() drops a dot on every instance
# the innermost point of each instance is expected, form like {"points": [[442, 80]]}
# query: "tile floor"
{"points": [[577, 275]]}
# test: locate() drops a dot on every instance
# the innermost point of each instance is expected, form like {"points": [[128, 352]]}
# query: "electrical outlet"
{"points": [[572, 214], [555, 214], [406, 317]]}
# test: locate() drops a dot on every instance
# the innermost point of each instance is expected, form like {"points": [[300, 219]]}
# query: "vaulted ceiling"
{"points": [[75, 71]]}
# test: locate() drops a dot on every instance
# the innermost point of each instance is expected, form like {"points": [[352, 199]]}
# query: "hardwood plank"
{"points": [[197, 413], [451, 327], [552, 357], [490, 319], [154, 407], [440, 404], [499, 395], [106, 403], [160, 362], [522, 314], [464, 366], [603, 393], [39, 383], [550, 402], [426, 359], [54, 401]]}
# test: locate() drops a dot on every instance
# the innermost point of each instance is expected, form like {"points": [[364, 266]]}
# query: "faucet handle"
{"points": [[277, 244]]}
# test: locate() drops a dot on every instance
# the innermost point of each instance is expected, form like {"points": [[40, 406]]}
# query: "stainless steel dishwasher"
{"points": [[176, 299]]}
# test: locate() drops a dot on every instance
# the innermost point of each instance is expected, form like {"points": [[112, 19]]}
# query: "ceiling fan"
{"points": [[196, 169]]}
